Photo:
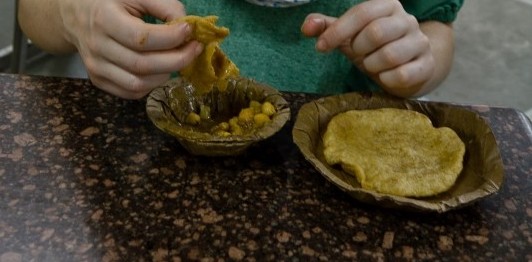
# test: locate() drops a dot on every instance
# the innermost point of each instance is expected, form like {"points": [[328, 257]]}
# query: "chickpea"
{"points": [[257, 107], [246, 116], [222, 133], [223, 126], [233, 122], [261, 119], [237, 130], [192, 119], [268, 109]]}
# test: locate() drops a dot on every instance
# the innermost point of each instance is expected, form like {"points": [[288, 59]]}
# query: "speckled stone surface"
{"points": [[85, 176]]}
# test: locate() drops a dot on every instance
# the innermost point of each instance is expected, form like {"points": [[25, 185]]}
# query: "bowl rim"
{"points": [[158, 98], [314, 116]]}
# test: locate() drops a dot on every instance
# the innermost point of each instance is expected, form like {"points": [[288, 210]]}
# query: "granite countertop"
{"points": [[85, 176]]}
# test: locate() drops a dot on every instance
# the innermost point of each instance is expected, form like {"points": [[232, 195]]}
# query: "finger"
{"points": [[397, 53], [315, 24], [353, 21], [380, 32], [149, 63], [404, 77], [135, 34], [165, 10], [122, 84]]}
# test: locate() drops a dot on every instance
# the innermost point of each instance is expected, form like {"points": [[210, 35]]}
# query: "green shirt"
{"points": [[267, 45]]}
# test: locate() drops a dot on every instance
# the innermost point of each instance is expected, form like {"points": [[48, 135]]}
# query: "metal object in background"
{"points": [[20, 43]]}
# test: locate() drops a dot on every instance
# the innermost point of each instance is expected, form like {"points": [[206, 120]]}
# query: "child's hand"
{"points": [[382, 40], [124, 55]]}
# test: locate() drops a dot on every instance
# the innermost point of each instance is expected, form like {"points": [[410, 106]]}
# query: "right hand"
{"points": [[382, 40], [124, 55]]}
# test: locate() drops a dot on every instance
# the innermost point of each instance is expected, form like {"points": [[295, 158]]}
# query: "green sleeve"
{"points": [[439, 10]]}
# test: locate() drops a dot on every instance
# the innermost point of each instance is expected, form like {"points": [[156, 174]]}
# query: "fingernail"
{"points": [[303, 25], [198, 49], [188, 32], [186, 28], [318, 21], [321, 45]]}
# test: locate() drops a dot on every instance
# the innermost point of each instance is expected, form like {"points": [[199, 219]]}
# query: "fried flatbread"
{"points": [[212, 67], [394, 151]]}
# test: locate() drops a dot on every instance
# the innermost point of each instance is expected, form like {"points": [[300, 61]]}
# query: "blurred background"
{"points": [[492, 66]]}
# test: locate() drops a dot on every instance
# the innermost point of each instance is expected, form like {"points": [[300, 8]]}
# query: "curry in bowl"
{"points": [[219, 122]]}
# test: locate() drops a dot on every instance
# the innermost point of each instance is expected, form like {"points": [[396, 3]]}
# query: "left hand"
{"points": [[382, 40]]}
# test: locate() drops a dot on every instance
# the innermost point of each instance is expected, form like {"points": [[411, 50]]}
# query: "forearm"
{"points": [[441, 38], [42, 22]]}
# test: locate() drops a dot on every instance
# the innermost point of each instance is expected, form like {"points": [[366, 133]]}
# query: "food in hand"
{"points": [[212, 67], [394, 151]]}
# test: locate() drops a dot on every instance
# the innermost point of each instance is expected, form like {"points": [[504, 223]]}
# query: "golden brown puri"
{"points": [[394, 151], [212, 67]]}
